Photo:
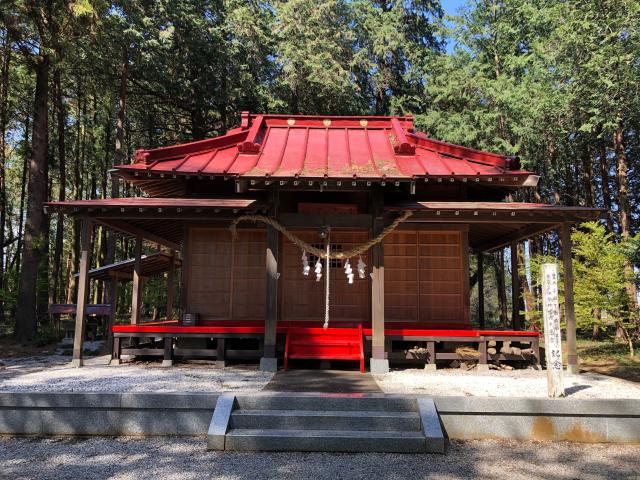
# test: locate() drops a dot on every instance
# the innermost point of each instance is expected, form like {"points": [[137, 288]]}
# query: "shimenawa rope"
{"points": [[319, 252]]}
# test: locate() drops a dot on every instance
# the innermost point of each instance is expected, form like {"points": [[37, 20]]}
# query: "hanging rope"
{"points": [[326, 288], [319, 252]]}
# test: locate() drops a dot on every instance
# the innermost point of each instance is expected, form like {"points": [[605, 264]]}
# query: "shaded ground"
{"points": [[9, 348], [186, 458], [609, 358], [329, 381]]}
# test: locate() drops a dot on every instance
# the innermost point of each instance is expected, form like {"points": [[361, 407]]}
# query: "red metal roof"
{"points": [[290, 146]]}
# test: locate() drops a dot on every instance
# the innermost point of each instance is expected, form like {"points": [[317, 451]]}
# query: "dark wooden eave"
{"points": [[494, 225], [152, 264], [156, 220]]}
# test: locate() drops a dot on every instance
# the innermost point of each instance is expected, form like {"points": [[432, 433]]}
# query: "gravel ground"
{"points": [[515, 383], [55, 374], [186, 458]]}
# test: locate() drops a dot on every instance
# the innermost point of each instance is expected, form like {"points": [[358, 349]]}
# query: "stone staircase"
{"points": [[328, 423]]}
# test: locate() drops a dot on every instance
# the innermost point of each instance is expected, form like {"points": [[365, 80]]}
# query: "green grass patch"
{"points": [[610, 358]]}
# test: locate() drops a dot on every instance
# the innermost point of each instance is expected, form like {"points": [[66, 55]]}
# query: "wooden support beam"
{"points": [[361, 220], [516, 323], [124, 227], [171, 285], [569, 308], [136, 298], [480, 263], [269, 362], [83, 290], [517, 236]]}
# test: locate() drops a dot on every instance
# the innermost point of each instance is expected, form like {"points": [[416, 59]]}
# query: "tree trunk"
{"points": [[604, 182], [26, 313], [524, 285], [498, 268], [622, 168], [587, 177], [4, 120], [23, 188], [57, 254]]}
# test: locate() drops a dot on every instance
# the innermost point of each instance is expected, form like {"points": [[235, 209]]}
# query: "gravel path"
{"points": [[55, 374], [515, 383], [186, 458]]}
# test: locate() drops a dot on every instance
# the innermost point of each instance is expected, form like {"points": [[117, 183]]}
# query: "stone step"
{"points": [[325, 402], [386, 421], [324, 441]]}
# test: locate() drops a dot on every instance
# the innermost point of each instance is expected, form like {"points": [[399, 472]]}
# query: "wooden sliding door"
{"points": [[426, 276], [225, 279]]}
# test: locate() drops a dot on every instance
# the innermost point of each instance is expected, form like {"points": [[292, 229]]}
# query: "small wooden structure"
{"points": [[356, 175]]}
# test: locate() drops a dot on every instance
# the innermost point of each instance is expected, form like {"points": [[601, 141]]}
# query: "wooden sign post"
{"points": [[552, 333]]}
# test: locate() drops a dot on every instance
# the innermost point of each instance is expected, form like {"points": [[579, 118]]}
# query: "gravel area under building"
{"points": [[55, 374], [186, 458]]}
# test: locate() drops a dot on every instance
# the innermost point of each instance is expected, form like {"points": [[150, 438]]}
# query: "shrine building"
{"points": [[334, 238]]}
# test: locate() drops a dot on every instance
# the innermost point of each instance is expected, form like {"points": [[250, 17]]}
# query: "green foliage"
{"points": [[600, 282], [600, 278]]}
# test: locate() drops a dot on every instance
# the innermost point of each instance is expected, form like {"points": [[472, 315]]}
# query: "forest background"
{"points": [[84, 83]]}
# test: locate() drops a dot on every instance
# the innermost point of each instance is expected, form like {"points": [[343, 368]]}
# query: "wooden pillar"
{"points": [[269, 362], [113, 308], [480, 263], [569, 308], [516, 324], [83, 291], [171, 285], [136, 297], [379, 362], [167, 358]]}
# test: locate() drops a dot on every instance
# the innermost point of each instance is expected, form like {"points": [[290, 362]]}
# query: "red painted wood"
{"points": [[511, 333]]}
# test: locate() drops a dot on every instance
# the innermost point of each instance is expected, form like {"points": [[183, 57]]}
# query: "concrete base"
{"points": [[430, 367], [379, 365], [573, 369], [219, 364], [220, 422], [268, 364], [431, 427], [76, 362], [115, 361], [167, 363], [482, 367]]}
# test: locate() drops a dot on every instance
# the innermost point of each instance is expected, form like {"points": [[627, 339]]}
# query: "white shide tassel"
{"points": [[348, 271], [361, 267], [318, 270], [305, 264]]}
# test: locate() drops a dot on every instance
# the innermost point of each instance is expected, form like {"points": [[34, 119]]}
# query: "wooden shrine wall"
{"points": [[226, 280], [426, 276], [302, 298]]}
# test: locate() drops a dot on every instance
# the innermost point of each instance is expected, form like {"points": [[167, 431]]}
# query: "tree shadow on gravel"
{"points": [[186, 458]]}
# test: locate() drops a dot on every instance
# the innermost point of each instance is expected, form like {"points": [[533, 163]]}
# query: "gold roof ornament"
{"points": [[291, 121], [364, 122], [326, 122]]}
